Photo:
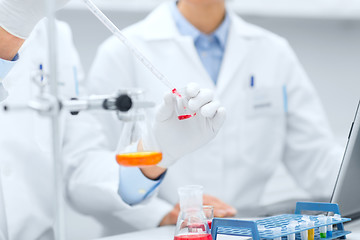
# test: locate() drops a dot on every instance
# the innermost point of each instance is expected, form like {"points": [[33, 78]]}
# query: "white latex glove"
{"points": [[19, 17], [179, 137]]}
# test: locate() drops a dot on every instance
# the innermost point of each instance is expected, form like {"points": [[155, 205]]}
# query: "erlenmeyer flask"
{"points": [[137, 145], [191, 223]]}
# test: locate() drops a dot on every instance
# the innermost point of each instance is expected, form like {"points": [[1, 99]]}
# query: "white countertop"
{"points": [[167, 233]]}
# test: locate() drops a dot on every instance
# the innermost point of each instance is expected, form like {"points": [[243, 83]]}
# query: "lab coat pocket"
{"points": [[266, 101]]}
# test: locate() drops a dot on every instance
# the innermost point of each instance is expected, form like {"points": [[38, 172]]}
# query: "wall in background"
{"points": [[328, 49]]}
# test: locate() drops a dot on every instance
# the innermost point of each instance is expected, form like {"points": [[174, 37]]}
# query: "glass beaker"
{"points": [[137, 146], [191, 223]]}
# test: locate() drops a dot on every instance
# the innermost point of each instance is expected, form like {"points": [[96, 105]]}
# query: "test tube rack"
{"points": [[243, 228]]}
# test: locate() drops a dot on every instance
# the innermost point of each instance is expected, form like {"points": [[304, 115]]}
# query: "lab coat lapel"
{"points": [[239, 44], [200, 74]]}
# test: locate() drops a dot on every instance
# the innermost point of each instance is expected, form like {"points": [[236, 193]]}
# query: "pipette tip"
{"points": [[175, 91]]}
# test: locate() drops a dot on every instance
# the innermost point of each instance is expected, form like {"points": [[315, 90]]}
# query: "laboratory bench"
{"points": [[167, 233]]}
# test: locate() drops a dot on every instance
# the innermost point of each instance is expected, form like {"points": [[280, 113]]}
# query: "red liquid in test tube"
{"points": [[194, 237], [185, 116], [209, 223]]}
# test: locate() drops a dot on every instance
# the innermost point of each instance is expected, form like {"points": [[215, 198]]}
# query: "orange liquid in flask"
{"points": [[136, 159]]}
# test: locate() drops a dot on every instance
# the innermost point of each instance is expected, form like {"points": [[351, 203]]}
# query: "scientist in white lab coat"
{"points": [[26, 168], [274, 114]]}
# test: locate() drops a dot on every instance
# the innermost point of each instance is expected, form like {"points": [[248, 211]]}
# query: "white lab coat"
{"points": [[25, 144], [280, 119]]}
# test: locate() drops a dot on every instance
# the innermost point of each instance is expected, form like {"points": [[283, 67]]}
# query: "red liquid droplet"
{"points": [[194, 237], [209, 223], [183, 117], [174, 91]]}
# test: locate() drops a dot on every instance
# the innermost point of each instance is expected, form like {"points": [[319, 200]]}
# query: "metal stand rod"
{"points": [[59, 228]]}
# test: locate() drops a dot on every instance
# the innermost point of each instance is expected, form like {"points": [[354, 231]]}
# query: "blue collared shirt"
{"points": [[134, 187], [5, 67], [210, 47]]}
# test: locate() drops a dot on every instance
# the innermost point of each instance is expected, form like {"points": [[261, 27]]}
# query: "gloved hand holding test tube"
{"points": [[177, 138], [183, 112], [187, 136]]}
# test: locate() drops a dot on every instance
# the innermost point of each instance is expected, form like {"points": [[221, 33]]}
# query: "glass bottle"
{"points": [[192, 223]]}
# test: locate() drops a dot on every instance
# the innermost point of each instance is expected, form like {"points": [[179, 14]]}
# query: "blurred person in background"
{"points": [[274, 114], [27, 193]]}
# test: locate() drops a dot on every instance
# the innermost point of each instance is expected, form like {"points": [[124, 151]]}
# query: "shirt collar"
{"points": [[187, 29]]}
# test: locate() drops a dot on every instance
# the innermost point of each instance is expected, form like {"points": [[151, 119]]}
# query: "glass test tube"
{"points": [[304, 234], [261, 228], [311, 232], [337, 217], [322, 229], [291, 228], [329, 231], [277, 231]]}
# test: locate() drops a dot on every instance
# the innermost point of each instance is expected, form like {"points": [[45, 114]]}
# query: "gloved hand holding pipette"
{"points": [[178, 137], [19, 17]]}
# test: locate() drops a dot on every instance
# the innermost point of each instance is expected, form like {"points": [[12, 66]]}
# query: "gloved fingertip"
{"points": [[192, 90], [219, 118], [169, 98], [166, 109], [205, 96], [209, 110]]}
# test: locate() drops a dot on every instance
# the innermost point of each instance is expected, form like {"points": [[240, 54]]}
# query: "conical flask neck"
{"points": [[191, 198], [191, 221]]}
